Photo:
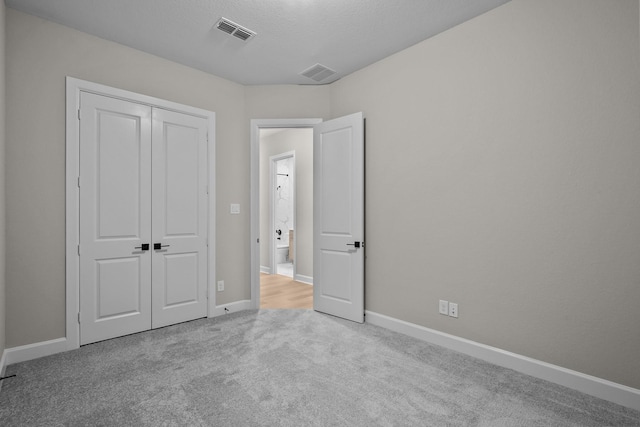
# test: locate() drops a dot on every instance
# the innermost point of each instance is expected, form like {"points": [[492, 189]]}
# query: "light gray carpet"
{"points": [[285, 368]]}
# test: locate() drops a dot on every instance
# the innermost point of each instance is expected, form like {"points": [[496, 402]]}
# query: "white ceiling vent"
{"points": [[234, 29], [318, 72]]}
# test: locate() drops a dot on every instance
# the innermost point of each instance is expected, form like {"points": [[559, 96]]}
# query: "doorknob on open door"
{"points": [[354, 244], [158, 246]]}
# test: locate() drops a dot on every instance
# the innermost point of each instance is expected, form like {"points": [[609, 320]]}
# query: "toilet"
{"points": [[282, 254]]}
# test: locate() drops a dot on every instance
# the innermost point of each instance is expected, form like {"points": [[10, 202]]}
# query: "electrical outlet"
{"points": [[444, 307], [220, 285], [453, 309]]}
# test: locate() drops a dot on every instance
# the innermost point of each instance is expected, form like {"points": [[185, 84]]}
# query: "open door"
{"points": [[338, 217]]}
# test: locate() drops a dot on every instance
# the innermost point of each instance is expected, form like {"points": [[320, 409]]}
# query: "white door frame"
{"points": [[254, 153], [273, 243], [73, 90]]}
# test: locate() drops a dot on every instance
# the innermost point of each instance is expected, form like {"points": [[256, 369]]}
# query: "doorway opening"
{"points": [[282, 213], [338, 213]]}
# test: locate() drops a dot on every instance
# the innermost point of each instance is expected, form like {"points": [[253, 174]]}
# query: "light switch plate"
{"points": [[235, 208], [444, 307]]}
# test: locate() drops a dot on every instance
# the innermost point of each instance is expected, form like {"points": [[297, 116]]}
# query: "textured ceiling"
{"points": [[292, 35]]}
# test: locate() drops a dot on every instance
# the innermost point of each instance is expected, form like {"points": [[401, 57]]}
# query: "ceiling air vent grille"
{"points": [[242, 34], [234, 29], [318, 72]]}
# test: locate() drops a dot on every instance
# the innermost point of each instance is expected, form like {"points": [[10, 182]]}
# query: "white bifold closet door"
{"points": [[143, 217]]}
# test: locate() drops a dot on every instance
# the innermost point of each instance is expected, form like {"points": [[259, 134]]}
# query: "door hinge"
{"points": [[78, 114], [78, 317], [78, 182], [258, 240], [78, 250]]}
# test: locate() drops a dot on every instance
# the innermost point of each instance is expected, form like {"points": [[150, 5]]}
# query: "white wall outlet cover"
{"points": [[220, 285], [444, 307], [235, 208], [453, 309]]}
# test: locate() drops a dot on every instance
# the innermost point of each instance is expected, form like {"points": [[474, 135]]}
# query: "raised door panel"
{"points": [[118, 287], [182, 184], [118, 170], [335, 149], [183, 269]]}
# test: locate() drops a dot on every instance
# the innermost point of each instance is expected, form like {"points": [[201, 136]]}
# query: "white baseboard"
{"points": [[265, 269], [304, 279], [34, 351], [47, 348], [3, 363], [231, 308], [594, 386], [3, 366]]}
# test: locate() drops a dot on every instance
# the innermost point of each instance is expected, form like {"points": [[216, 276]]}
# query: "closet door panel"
{"points": [[179, 217], [181, 161], [115, 217]]}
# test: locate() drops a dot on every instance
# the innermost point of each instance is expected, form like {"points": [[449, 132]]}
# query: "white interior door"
{"points": [[115, 218], [179, 217], [338, 219]]}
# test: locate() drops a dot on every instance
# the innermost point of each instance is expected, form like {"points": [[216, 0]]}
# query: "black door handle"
{"points": [[354, 244], [144, 247], [158, 246]]}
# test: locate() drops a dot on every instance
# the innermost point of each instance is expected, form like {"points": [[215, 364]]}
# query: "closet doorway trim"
{"points": [[74, 87]]}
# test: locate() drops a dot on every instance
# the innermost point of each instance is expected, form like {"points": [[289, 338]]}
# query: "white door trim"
{"points": [[272, 206], [254, 153], [73, 89]]}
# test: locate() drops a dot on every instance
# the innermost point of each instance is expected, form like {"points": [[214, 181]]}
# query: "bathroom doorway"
{"points": [[282, 213], [285, 207]]}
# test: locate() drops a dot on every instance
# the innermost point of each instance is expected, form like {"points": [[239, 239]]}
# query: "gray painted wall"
{"points": [[503, 174], [39, 56], [2, 180]]}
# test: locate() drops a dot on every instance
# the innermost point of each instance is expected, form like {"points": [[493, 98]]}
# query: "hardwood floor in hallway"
{"points": [[278, 291]]}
